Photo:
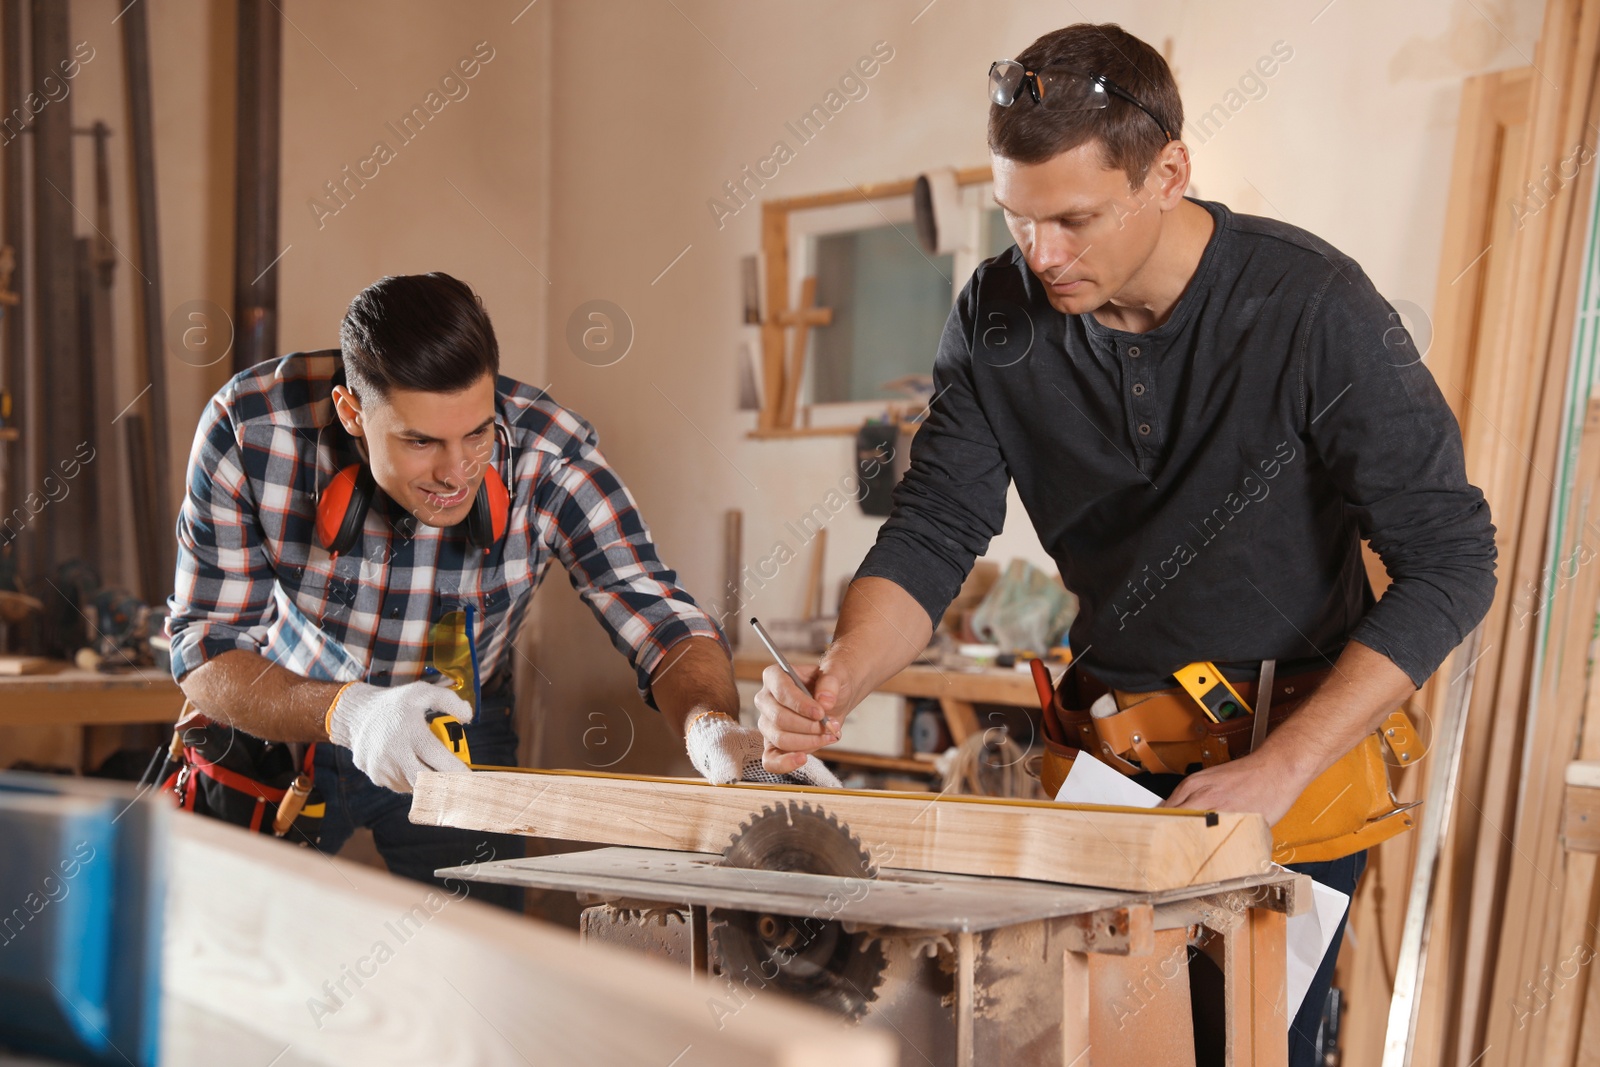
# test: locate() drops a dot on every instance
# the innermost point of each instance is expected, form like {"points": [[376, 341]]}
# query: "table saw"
{"points": [[975, 930]]}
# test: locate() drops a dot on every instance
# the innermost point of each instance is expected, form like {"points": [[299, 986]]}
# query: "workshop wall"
{"points": [[467, 195], [656, 106]]}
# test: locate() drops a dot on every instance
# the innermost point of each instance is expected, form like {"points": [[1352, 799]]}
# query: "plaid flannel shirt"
{"points": [[252, 576]]}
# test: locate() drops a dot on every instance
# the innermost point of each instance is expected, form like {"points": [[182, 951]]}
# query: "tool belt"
{"points": [[214, 769], [1347, 808]]}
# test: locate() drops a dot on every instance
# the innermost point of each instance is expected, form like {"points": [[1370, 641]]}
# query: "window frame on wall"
{"points": [[786, 228]]}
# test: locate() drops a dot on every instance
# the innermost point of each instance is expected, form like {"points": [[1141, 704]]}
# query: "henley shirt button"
{"points": [[394, 613], [1144, 428], [1134, 351], [1138, 389]]}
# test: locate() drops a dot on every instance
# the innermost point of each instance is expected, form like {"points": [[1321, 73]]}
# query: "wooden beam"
{"points": [[775, 266], [800, 320], [152, 474], [1116, 848], [732, 574], [256, 251], [17, 373], [64, 412], [874, 191], [349, 965]]}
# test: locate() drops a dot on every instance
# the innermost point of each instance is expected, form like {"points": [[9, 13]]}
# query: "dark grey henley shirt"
{"points": [[1204, 487]]}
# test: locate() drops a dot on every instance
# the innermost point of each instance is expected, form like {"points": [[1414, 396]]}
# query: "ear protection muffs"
{"points": [[342, 507]]}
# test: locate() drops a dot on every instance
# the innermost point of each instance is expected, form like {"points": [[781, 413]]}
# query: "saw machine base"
{"points": [[962, 969]]}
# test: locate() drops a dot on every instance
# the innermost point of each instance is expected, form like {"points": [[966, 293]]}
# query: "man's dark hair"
{"points": [[1129, 141], [426, 332]]}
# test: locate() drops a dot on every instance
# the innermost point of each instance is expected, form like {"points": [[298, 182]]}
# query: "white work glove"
{"points": [[724, 751], [386, 731]]}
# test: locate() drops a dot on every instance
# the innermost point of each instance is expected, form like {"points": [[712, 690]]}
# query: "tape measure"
{"points": [[1219, 700], [447, 728]]}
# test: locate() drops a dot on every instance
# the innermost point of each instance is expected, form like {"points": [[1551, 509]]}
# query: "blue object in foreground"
{"points": [[81, 893]]}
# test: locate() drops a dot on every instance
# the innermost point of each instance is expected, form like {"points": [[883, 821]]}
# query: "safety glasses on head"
{"points": [[1057, 88]]}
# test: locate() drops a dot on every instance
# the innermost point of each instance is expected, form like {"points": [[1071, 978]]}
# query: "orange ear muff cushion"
{"points": [[499, 503], [341, 509]]}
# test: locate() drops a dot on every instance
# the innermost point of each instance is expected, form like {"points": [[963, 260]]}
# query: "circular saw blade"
{"points": [[812, 956], [793, 836]]}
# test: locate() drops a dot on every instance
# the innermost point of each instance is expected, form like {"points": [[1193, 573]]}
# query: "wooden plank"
{"points": [[801, 322], [775, 269], [814, 575], [1588, 1052], [961, 718], [19, 665], [732, 575], [1139, 1006], [348, 965], [1267, 933], [875, 762], [1580, 824], [1115, 848]]}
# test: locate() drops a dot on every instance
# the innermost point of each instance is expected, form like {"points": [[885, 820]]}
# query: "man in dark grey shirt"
{"points": [[1204, 414]]}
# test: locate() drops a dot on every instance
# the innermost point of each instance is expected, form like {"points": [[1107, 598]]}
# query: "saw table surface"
{"points": [[911, 899]]}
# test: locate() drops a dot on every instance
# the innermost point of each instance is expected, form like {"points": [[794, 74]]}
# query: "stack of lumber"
{"points": [[1513, 919]]}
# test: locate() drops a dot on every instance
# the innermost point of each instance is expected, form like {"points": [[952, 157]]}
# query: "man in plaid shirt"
{"points": [[282, 639]]}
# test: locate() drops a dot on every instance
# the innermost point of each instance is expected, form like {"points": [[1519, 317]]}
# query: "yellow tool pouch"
{"points": [[1349, 807]]}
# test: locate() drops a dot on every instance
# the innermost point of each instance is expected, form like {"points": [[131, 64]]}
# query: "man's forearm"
{"points": [[259, 697], [1360, 692], [881, 630], [695, 675]]}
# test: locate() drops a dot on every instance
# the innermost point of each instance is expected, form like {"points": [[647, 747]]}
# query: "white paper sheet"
{"points": [[1308, 936], [1091, 781]]}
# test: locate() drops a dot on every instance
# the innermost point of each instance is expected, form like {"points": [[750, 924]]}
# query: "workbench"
{"points": [[74, 697]]}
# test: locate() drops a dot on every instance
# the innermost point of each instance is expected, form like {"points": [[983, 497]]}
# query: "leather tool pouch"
{"points": [[1349, 807]]}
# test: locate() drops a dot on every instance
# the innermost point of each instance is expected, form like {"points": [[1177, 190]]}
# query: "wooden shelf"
{"points": [[873, 762], [848, 430], [76, 697], [983, 685]]}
